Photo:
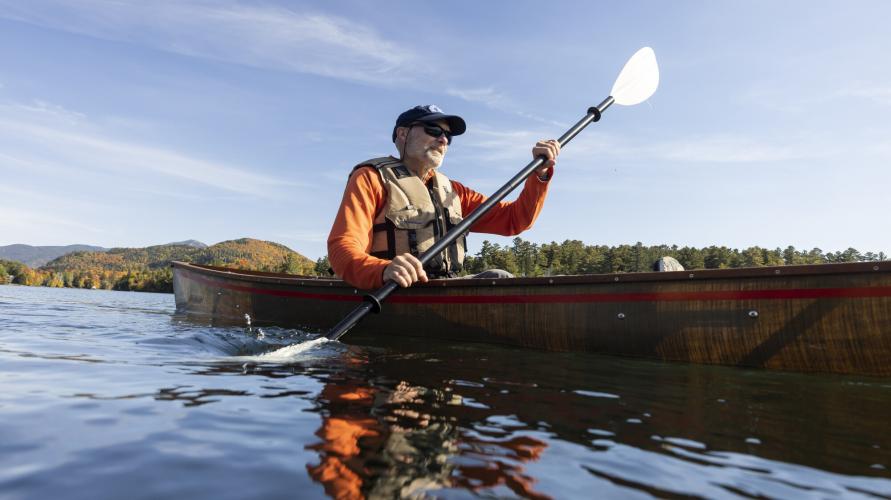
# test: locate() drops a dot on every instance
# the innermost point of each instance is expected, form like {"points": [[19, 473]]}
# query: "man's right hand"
{"points": [[405, 269]]}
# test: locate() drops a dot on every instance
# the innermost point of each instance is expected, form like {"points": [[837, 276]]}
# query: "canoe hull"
{"points": [[830, 318]]}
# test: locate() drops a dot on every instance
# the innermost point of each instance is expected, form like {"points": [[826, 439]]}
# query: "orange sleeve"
{"points": [[349, 242], [506, 218]]}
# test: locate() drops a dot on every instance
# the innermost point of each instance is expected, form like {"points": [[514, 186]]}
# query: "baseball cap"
{"points": [[429, 113]]}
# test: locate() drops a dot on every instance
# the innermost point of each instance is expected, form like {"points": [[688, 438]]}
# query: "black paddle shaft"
{"points": [[373, 300]]}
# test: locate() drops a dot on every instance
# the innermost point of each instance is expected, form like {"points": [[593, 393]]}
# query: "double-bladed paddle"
{"points": [[635, 84]]}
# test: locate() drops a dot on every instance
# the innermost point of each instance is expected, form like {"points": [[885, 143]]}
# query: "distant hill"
{"points": [[244, 253], [36, 256], [149, 268]]}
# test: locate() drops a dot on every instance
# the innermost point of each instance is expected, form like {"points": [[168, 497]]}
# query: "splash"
{"points": [[287, 354]]}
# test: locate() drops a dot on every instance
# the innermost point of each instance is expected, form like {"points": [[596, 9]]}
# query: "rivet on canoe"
{"points": [[875, 268], [551, 281], [616, 278], [753, 313], [691, 275], [493, 282], [621, 315], [776, 272]]}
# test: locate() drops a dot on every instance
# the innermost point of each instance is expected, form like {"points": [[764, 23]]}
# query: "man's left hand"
{"points": [[550, 149]]}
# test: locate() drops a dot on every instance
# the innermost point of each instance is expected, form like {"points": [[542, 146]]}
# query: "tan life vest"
{"points": [[416, 217]]}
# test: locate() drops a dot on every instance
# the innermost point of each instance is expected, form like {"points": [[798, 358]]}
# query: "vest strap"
{"points": [[390, 229], [413, 242]]}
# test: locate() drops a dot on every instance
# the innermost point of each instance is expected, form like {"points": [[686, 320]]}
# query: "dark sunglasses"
{"points": [[436, 131]]}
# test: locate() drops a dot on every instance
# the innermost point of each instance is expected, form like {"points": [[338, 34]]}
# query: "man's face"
{"points": [[421, 147]]}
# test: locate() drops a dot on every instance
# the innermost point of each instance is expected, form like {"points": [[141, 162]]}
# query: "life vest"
{"points": [[417, 215]]}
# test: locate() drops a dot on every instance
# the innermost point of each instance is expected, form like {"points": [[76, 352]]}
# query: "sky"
{"points": [[142, 123]]}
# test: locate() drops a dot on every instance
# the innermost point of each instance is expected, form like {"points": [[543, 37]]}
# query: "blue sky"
{"points": [[140, 123]]}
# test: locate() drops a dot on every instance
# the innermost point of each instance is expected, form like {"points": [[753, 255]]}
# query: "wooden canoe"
{"points": [[818, 318]]}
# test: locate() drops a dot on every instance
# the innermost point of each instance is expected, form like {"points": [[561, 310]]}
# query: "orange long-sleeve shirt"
{"points": [[349, 242]]}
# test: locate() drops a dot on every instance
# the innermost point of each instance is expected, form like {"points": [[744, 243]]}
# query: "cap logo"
{"points": [[433, 108]]}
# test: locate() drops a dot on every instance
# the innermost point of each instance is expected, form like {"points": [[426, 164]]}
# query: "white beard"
{"points": [[435, 157]]}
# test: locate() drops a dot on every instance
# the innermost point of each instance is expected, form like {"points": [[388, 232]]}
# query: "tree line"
{"points": [[524, 258], [148, 269]]}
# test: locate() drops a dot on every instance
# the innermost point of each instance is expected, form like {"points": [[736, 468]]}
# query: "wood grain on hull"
{"points": [[827, 318]]}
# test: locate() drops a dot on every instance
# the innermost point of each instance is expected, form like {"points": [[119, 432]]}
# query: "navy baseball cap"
{"points": [[429, 113]]}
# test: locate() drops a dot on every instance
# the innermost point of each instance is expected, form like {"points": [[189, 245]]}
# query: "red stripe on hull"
{"points": [[784, 294]]}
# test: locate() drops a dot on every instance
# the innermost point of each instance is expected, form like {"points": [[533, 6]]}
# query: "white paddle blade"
{"points": [[638, 79]]}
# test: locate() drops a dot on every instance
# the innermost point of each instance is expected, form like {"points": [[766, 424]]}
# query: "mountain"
{"points": [[190, 243], [149, 268], [37, 256], [245, 253]]}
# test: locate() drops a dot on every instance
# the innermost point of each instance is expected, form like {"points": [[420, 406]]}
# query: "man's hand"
{"points": [[549, 149], [405, 269]]}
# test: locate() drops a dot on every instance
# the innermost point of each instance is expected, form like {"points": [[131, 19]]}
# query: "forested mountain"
{"points": [[36, 256], [148, 269]]}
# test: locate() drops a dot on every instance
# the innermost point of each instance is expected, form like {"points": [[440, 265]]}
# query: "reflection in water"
{"points": [[413, 419], [378, 441]]}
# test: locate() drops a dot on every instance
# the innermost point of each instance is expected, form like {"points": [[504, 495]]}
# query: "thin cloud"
{"points": [[492, 145], [491, 98], [723, 149], [36, 137], [260, 36], [304, 236], [486, 95], [17, 220], [53, 112], [20, 197], [876, 93]]}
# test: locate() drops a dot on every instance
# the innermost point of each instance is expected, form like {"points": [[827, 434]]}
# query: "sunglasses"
{"points": [[436, 131]]}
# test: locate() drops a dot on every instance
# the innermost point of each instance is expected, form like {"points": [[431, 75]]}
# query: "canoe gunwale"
{"points": [[675, 276]]}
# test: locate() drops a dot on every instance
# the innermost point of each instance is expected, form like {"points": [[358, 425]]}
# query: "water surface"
{"points": [[109, 395]]}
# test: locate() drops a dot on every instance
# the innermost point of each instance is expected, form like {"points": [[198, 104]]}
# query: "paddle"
{"points": [[636, 83]]}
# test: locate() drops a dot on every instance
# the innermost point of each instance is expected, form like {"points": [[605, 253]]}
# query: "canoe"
{"points": [[832, 318]]}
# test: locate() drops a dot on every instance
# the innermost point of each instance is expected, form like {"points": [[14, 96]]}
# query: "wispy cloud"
{"points": [[485, 95], [21, 196], [18, 220], [720, 149], [52, 138], [307, 236], [878, 93], [53, 112], [494, 99], [491, 145], [261, 36]]}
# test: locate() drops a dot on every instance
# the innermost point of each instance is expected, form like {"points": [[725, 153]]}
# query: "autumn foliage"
{"points": [[148, 269]]}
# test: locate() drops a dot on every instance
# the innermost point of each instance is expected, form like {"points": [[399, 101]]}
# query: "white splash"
{"points": [[287, 354]]}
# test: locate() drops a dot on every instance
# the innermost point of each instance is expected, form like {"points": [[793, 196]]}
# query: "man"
{"points": [[393, 209]]}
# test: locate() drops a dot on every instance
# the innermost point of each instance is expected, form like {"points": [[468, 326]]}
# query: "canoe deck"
{"points": [[822, 318]]}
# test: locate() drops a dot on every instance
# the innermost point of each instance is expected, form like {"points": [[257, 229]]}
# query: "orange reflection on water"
{"points": [[375, 442]]}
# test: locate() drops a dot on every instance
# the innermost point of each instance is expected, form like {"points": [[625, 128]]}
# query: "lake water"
{"points": [[109, 395]]}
